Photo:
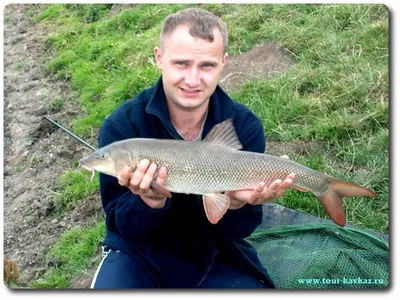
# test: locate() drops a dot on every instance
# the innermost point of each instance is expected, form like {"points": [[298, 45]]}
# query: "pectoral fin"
{"points": [[215, 206], [160, 189]]}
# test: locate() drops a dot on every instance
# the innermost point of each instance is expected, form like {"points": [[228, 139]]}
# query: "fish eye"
{"points": [[103, 155]]}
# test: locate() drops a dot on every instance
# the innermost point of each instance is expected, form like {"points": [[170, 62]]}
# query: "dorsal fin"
{"points": [[224, 134]]}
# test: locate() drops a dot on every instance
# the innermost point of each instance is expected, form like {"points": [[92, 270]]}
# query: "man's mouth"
{"points": [[190, 91]]}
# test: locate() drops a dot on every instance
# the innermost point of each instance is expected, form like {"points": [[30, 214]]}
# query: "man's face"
{"points": [[191, 67]]}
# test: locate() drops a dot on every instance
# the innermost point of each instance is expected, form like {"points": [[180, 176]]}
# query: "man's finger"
{"points": [[260, 187], [281, 190], [124, 176], [269, 193], [255, 195], [274, 186], [291, 176], [162, 176], [284, 185], [139, 172], [148, 177]]}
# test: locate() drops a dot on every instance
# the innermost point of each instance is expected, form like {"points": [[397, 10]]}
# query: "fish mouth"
{"points": [[91, 169]]}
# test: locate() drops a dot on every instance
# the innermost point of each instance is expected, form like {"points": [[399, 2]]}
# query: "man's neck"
{"points": [[188, 123]]}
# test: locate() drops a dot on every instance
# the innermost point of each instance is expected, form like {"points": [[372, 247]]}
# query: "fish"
{"points": [[217, 165]]}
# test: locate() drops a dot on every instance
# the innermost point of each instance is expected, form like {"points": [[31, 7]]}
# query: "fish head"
{"points": [[107, 160]]}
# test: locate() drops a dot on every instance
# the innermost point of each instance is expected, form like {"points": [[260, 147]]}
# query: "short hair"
{"points": [[200, 22]]}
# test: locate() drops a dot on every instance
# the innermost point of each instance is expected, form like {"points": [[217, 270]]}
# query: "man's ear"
{"points": [[158, 56], [225, 59]]}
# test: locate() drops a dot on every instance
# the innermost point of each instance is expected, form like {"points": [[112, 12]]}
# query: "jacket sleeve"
{"points": [[126, 213], [240, 223]]}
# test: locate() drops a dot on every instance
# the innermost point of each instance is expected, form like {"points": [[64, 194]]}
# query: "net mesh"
{"points": [[308, 256]]}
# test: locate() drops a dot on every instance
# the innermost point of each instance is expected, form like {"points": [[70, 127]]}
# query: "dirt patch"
{"points": [[261, 62], [36, 153], [297, 147], [117, 8]]}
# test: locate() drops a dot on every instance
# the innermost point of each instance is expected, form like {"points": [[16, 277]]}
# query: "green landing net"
{"points": [[308, 256]]}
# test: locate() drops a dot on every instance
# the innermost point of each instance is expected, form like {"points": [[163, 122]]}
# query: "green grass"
{"points": [[74, 253], [336, 92], [17, 66], [75, 185], [55, 104]]}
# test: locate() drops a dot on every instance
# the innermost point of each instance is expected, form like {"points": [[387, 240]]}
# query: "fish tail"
{"points": [[332, 199]]}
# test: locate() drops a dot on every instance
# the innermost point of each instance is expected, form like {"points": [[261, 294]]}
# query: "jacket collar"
{"points": [[157, 106], [221, 107]]}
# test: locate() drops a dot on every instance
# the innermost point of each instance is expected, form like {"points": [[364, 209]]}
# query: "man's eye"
{"points": [[208, 65], [181, 63]]}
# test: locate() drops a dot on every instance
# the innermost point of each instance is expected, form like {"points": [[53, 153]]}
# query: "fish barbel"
{"points": [[214, 165]]}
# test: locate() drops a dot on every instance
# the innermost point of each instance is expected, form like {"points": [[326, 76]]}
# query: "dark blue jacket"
{"points": [[177, 242]]}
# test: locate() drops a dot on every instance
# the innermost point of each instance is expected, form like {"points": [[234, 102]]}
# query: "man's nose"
{"points": [[192, 78]]}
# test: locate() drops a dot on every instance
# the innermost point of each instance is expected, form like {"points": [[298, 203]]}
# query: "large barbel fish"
{"points": [[214, 166]]}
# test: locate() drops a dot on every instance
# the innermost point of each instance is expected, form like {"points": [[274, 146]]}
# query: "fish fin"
{"points": [[224, 134], [160, 189], [299, 188], [215, 206], [332, 199]]}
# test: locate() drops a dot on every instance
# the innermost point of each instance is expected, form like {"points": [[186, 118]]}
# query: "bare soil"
{"points": [[36, 153], [263, 61]]}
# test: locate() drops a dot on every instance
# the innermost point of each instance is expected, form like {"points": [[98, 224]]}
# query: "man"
{"points": [[155, 241]]}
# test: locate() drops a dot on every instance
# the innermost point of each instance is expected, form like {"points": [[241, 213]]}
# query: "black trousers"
{"points": [[120, 271]]}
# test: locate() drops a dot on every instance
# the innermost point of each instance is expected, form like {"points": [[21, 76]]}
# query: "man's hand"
{"points": [[139, 182], [261, 193]]}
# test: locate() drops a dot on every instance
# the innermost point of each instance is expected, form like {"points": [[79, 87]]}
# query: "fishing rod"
{"points": [[70, 133]]}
